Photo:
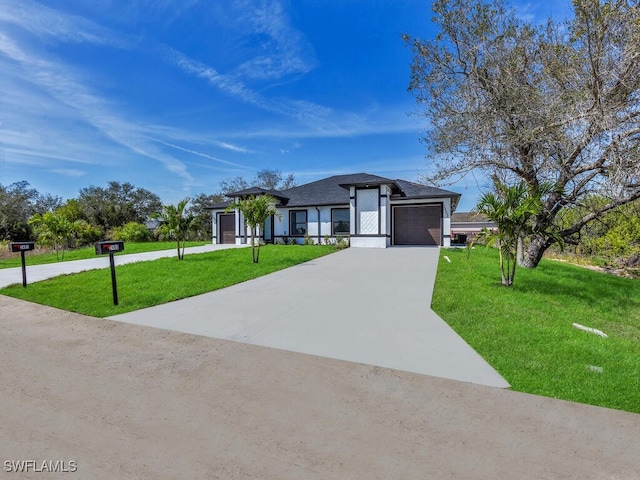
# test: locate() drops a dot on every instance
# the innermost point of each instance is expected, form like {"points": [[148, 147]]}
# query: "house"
{"points": [[373, 211], [465, 225]]}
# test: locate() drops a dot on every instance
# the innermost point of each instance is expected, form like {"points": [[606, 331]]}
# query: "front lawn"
{"points": [[525, 332], [40, 257], [160, 281]]}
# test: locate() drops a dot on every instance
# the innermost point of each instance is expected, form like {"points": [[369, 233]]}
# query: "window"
{"points": [[298, 222], [340, 221]]}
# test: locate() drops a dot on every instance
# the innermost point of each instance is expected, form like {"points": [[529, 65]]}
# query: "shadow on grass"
{"points": [[560, 280]]}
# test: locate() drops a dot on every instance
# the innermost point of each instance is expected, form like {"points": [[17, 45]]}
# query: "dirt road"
{"points": [[124, 401]]}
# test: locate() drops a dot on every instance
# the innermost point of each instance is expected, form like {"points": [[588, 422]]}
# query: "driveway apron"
{"points": [[369, 306]]}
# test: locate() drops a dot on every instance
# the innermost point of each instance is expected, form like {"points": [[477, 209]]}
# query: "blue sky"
{"points": [[174, 96]]}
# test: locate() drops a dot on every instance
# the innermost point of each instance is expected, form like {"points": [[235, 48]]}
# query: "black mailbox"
{"points": [[115, 246], [21, 246]]}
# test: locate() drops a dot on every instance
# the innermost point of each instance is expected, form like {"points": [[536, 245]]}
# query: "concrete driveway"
{"points": [[368, 306]]}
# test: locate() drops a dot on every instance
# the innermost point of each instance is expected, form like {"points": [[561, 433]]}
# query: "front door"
{"points": [[227, 223]]}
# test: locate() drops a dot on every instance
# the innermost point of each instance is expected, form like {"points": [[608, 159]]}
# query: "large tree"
{"points": [[117, 204], [18, 202], [268, 178], [199, 205], [557, 104]]}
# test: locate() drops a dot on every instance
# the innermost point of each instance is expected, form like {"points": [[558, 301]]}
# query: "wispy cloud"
{"points": [[199, 154], [44, 21], [60, 83], [283, 50], [233, 148], [68, 172]]}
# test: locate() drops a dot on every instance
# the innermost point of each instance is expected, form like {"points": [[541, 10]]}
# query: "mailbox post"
{"points": [[111, 247], [22, 247]]}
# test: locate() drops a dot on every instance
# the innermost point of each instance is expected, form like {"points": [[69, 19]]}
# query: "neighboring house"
{"points": [[373, 211], [465, 225]]}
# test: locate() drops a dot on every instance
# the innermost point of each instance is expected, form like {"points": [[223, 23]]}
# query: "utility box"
{"points": [[113, 246], [16, 247]]}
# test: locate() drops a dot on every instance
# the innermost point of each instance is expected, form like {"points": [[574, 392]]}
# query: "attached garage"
{"points": [[417, 225], [227, 222]]}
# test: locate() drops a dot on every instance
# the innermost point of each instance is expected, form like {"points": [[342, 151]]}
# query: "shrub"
{"points": [[342, 243], [132, 232], [86, 234]]}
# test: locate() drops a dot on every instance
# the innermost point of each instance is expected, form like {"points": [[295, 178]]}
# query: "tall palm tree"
{"points": [[177, 222]]}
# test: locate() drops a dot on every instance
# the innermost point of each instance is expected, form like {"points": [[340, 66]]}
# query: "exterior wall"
{"points": [[352, 210], [385, 213], [446, 222], [367, 211], [369, 242], [214, 227], [241, 231], [316, 231], [370, 217]]}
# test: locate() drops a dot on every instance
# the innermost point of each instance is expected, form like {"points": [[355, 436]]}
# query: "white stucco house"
{"points": [[372, 211]]}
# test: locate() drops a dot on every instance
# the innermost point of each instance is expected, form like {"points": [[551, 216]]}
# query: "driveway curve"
{"points": [[368, 306]]}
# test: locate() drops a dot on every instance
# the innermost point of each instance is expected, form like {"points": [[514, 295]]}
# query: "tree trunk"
{"points": [[253, 247], [537, 246], [520, 250]]}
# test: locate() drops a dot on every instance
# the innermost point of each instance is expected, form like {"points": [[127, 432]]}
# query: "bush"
{"points": [[132, 232], [342, 243], [86, 234]]}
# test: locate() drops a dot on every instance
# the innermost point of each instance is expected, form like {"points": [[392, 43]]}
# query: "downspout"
{"points": [[319, 224]]}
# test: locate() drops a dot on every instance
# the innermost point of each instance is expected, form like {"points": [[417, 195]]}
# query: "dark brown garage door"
{"points": [[417, 225], [227, 223]]}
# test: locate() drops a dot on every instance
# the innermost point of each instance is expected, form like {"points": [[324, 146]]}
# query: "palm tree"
{"points": [[255, 210], [511, 208], [177, 222], [54, 229]]}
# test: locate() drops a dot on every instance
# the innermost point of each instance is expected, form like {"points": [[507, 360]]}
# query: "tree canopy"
{"points": [[117, 204], [270, 179], [557, 104], [18, 202]]}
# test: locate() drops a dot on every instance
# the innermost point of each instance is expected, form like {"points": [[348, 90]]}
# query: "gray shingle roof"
{"points": [[256, 191], [334, 191], [416, 190]]}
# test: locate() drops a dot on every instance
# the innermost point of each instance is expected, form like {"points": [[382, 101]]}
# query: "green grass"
{"points": [[160, 281], [36, 258], [526, 334]]}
